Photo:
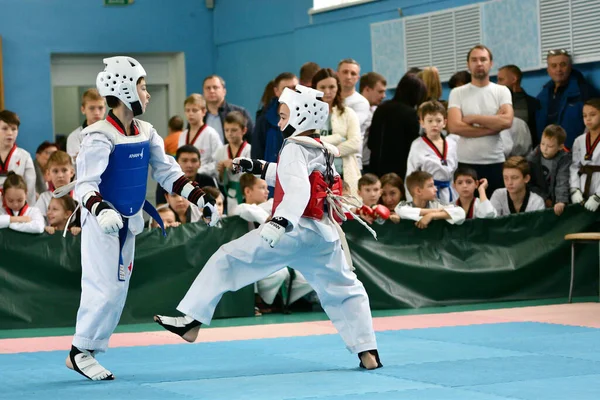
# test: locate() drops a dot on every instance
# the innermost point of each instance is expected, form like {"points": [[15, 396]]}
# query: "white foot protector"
{"points": [[186, 327], [84, 362]]}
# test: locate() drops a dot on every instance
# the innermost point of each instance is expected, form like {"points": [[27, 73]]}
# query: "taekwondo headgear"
{"points": [[119, 79], [306, 112]]}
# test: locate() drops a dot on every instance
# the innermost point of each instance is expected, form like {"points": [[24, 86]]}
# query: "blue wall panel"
{"points": [[87, 26], [325, 38], [248, 42], [387, 41], [509, 22]]}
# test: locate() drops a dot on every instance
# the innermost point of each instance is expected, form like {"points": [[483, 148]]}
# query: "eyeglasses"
{"points": [[559, 52]]}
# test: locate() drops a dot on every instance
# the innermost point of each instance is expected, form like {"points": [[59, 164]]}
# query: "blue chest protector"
{"points": [[123, 183]]}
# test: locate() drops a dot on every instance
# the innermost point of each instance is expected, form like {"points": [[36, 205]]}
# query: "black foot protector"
{"points": [[186, 327]]}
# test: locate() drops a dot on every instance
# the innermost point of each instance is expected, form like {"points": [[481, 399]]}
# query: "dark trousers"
{"points": [[492, 172]]}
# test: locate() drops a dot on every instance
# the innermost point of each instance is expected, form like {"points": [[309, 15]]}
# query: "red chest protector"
{"points": [[315, 209], [317, 204]]}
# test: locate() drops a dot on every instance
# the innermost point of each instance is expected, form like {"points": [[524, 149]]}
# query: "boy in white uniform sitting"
{"points": [[425, 206]]}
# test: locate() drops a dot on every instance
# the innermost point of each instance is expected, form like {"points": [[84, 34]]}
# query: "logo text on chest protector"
{"points": [[139, 155]]}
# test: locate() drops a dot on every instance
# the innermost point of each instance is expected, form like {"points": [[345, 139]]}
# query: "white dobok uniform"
{"points": [[36, 225], [585, 167], [267, 288], [310, 246], [231, 181], [116, 166], [479, 209], [74, 141], [504, 205], [407, 210], [424, 156], [207, 141]]}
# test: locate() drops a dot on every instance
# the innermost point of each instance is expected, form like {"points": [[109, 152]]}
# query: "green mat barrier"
{"points": [[521, 257], [40, 276]]}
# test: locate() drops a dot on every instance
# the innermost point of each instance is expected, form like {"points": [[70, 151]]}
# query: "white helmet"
{"points": [[119, 79], [306, 111]]}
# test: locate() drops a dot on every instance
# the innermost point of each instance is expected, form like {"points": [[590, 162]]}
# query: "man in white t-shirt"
{"points": [[349, 74], [478, 112], [372, 86]]}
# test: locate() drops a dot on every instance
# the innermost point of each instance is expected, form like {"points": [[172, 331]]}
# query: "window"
{"points": [[328, 5]]}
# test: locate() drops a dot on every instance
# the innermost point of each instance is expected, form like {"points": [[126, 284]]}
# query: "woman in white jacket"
{"points": [[342, 129]]}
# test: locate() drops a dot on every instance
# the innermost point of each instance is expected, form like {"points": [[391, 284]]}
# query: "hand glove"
{"points": [[243, 164], [576, 197], [273, 230], [209, 209], [381, 213], [110, 221], [592, 203], [366, 210]]}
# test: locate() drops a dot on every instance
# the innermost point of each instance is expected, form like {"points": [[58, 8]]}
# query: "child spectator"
{"points": [[550, 165], [235, 129], [218, 196], [42, 154], [15, 212], [93, 107], [515, 197], [168, 217], [13, 158], [59, 170], [200, 135], [186, 212], [188, 158], [183, 210], [59, 215], [172, 139], [369, 189], [255, 190], [256, 207], [432, 152], [425, 206], [585, 168], [392, 193], [466, 183]]}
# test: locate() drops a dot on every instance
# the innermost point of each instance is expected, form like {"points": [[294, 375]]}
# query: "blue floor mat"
{"points": [[480, 362]]}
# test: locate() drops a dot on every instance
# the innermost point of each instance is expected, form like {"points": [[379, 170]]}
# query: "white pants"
{"points": [[103, 294], [269, 287], [249, 259]]}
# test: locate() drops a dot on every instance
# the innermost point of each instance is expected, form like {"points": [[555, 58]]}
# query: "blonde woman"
{"points": [[342, 129], [431, 78]]}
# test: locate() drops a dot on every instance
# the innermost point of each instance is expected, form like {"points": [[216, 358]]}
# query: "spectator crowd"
{"points": [[490, 150]]}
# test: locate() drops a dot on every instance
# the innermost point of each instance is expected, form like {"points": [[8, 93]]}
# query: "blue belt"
{"points": [[443, 185], [150, 210]]}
